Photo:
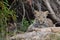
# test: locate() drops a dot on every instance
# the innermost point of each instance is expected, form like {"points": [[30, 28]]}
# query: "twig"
{"points": [[12, 4], [58, 2], [23, 13]]}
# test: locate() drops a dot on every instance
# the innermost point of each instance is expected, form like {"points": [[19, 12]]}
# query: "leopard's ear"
{"points": [[46, 12], [35, 12]]}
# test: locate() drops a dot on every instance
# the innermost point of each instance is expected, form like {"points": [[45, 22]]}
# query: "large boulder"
{"points": [[51, 33]]}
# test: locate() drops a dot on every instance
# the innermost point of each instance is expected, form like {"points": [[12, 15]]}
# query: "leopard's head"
{"points": [[40, 15]]}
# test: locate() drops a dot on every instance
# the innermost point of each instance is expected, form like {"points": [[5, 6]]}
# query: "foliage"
{"points": [[6, 2], [25, 24], [5, 14]]}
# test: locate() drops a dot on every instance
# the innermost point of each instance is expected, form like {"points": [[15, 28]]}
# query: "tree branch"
{"points": [[51, 10]]}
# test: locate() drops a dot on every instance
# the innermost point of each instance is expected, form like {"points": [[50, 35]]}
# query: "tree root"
{"points": [[51, 11]]}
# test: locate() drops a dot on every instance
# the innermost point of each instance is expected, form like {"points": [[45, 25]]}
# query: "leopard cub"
{"points": [[41, 20]]}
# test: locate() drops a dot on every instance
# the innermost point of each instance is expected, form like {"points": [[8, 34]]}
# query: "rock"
{"points": [[39, 34]]}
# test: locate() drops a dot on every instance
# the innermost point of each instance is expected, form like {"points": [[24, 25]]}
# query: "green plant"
{"points": [[25, 24], [5, 13], [6, 2]]}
